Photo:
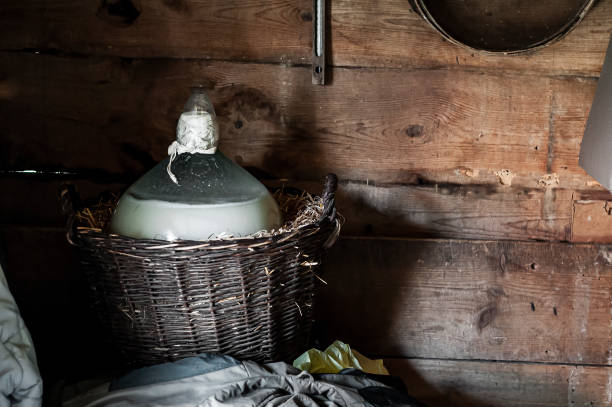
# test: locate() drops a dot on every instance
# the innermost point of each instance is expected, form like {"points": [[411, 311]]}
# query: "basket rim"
{"points": [[78, 235], [91, 235]]}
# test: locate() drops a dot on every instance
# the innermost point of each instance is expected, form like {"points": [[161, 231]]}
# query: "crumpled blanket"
{"points": [[20, 381], [213, 381]]}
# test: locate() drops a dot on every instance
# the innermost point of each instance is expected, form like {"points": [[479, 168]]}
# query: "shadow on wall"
{"points": [[378, 298], [43, 275], [371, 210], [363, 300]]}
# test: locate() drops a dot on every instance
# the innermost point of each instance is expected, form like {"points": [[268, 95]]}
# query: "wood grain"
{"points": [[363, 33], [389, 34], [119, 116], [419, 210], [394, 298], [493, 300], [418, 134], [259, 30], [424, 209], [479, 384], [592, 217], [455, 210], [420, 152]]}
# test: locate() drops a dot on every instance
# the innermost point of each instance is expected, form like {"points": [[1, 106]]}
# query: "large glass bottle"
{"points": [[196, 193]]}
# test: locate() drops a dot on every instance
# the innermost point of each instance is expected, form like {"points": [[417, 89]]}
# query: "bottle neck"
{"points": [[197, 131]]}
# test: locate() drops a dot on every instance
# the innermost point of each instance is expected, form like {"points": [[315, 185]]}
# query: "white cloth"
{"points": [[20, 381], [195, 133]]}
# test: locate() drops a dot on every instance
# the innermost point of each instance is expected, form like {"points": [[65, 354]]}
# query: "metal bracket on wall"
{"points": [[318, 42]]}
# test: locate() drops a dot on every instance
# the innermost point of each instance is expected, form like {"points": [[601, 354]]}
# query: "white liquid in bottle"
{"points": [[146, 219]]}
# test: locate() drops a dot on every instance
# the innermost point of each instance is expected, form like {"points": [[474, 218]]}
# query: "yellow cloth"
{"points": [[336, 357]]}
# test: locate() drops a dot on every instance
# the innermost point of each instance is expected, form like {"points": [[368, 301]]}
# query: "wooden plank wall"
{"points": [[473, 257]]}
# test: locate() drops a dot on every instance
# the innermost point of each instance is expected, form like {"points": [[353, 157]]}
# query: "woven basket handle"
{"points": [[69, 204], [329, 198], [329, 209]]}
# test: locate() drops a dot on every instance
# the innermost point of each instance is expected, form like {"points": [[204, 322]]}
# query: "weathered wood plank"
{"points": [[471, 383], [428, 209], [219, 29], [389, 34], [363, 33], [455, 210], [119, 116], [592, 217], [387, 126], [548, 302], [426, 298], [419, 210], [42, 274]]}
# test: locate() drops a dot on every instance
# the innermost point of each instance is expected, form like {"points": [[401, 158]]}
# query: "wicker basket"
{"points": [[162, 301]]}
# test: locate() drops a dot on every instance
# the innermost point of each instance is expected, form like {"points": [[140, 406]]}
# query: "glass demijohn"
{"points": [[196, 193]]}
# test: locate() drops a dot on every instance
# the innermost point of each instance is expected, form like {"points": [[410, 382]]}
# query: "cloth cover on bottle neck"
{"points": [[195, 133]]}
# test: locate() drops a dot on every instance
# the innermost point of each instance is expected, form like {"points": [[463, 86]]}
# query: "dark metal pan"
{"points": [[503, 26]]}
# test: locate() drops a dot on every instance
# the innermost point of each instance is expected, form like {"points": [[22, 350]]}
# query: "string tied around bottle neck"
{"points": [[196, 133]]}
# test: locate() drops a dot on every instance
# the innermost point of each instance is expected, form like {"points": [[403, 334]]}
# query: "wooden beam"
{"points": [[363, 33], [493, 300]]}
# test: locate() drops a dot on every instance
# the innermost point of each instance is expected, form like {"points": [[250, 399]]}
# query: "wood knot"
{"points": [[121, 13], [414, 130], [486, 316], [306, 16], [496, 292], [177, 5], [502, 263]]}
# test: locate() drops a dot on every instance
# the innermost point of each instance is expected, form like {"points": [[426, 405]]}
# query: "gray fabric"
{"points": [[246, 384], [189, 367], [596, 147], [20, 382]]}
